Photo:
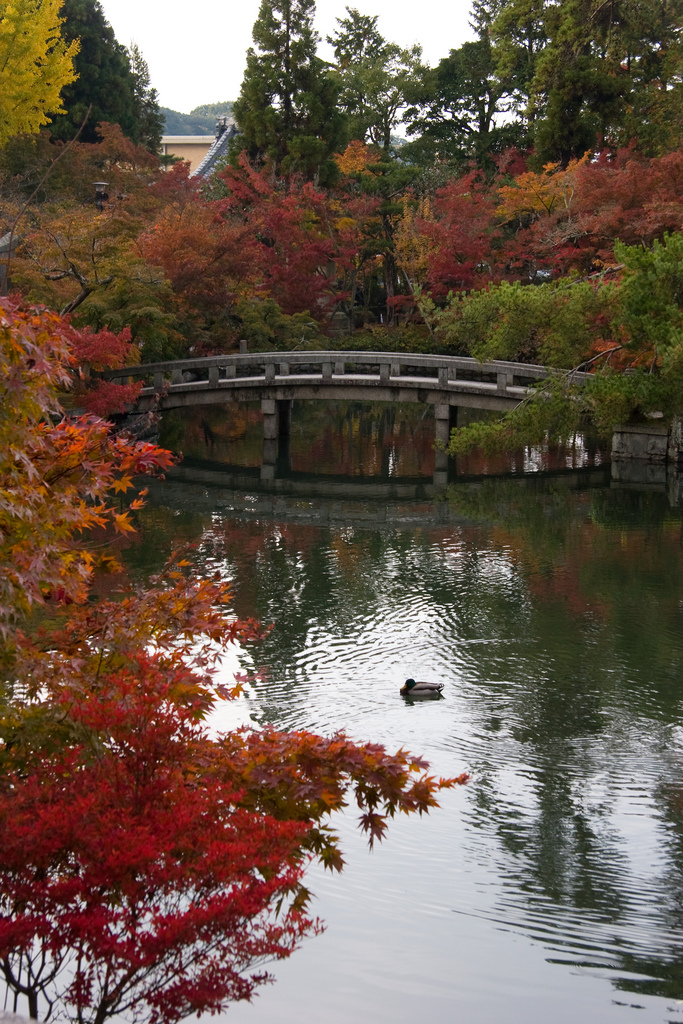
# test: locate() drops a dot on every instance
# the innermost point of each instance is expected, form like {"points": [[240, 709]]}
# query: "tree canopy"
{"points": [[36, 64], [111, 81], [374, 78], [149, 121], [287, 109]]}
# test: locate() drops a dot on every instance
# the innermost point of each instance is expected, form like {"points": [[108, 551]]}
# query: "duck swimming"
{"points": [[420, 689]]}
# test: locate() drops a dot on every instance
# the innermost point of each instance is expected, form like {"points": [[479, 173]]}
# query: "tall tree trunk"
{"points": [[389, 268], [390, 286]]}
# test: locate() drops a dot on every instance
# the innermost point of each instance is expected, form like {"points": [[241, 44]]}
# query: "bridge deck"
{"points": [[366, 376]]}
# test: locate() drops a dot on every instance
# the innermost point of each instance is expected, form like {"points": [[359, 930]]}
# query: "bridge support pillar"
{"points": [[276, 422], [269, 410], [445, 418], [442, 422], [284, 417], [269, 458]]}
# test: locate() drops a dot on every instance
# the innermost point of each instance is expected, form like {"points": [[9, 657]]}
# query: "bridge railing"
{"points": [[331, 367]]}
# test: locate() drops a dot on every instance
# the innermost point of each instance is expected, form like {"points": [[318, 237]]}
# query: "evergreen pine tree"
{"points": [[105, 78], [518, 32], [149, 121], [287, 109], [586, 73], [455, 110], [375, 77]]}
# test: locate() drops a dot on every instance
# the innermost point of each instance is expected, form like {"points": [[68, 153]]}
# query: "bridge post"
{"points": [[269, 410], [269, 458], [445, 418], [276, 420], [442, 422]]}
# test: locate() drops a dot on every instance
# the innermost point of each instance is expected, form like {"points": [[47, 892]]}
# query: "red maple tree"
{"points": [[145, 867]]}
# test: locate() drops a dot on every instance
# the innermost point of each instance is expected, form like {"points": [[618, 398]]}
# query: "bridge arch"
{"points": [[278, 378]]}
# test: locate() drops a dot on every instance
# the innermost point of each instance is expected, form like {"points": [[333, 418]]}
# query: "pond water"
{"points": [[550, 604]]}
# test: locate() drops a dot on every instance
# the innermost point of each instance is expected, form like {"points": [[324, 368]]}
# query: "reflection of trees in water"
{"points": [[362, 439], [603, 572], [227, 433], [585, 586], [581, 451], [611, 561], [582, 762], [343, 438]]}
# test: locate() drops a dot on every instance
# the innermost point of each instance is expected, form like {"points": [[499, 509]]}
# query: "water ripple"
{"points": [[562, 699]]}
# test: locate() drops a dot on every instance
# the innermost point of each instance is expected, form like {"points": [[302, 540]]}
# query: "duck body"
{"points": [[411, 688]]}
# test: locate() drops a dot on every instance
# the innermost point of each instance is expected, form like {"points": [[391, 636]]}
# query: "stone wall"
{"points": [[649, 457], [675, 453], [648, 441], [655, 442]]}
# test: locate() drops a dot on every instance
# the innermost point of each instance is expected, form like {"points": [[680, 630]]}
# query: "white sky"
{"points": [[196, 50]]}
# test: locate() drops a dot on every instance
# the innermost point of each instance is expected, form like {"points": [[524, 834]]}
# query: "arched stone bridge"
{"points": [[277, 378]]}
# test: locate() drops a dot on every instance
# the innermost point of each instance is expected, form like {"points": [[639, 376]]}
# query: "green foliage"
{"points": [[554, 412], [176, 123], [577, 89], [651, 295], [646, 310], [554, 324], [583, 73], [519, 35], [112, 79], [375, 77], [287, 110], [213, 109], [649, 35], [618, 398], [454, 108], [105, 78], [200, 121], [558, 408], [266, 328], [148, 116]]}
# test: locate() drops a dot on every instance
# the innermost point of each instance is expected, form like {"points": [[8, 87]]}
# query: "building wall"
{"points": [[188, 147]]}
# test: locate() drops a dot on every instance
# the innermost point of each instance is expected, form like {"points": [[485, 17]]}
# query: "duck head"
{"points": [[407, 686]]}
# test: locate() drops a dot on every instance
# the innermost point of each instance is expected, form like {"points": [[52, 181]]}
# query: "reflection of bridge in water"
{"points": [[318, 498], [276, 379]]}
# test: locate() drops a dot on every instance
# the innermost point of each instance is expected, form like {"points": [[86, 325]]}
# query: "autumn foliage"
{"points": [[177, 267], [57, 474], [146, 867]]}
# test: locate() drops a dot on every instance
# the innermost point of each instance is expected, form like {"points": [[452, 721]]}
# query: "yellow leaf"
{"points": [[123, 484], [122, 523], [35, 65]]}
